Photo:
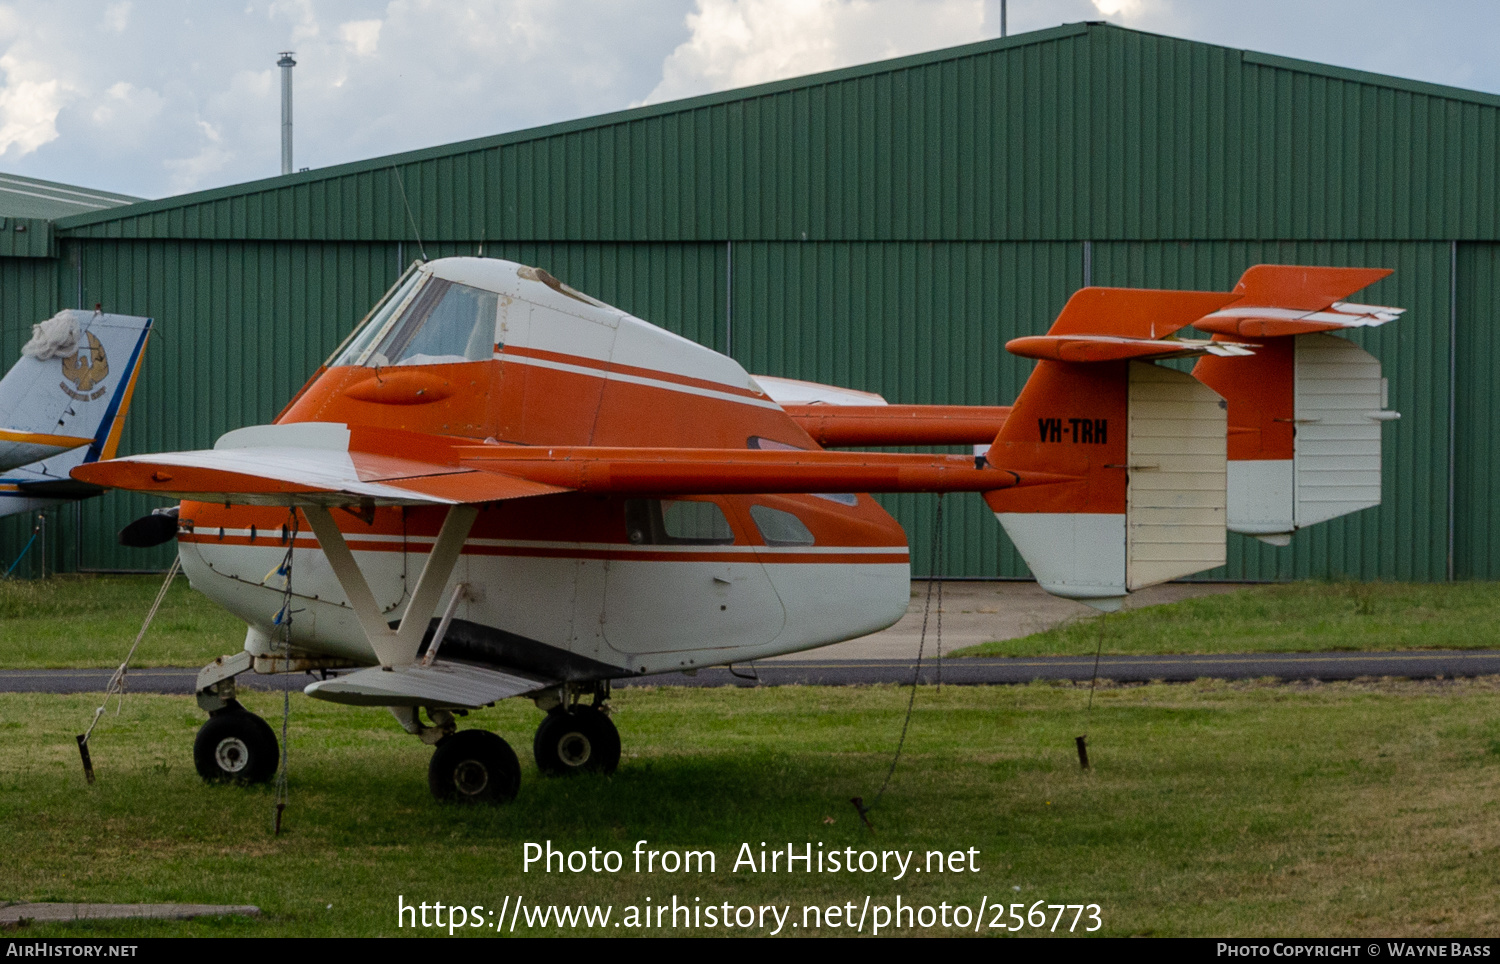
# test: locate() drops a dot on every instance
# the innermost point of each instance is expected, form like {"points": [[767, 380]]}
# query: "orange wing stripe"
{"points": [[37, 438], [726, 471]]}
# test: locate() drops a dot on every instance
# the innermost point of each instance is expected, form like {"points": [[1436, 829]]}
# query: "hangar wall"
{"points": [[886, 227], [243, 324]]}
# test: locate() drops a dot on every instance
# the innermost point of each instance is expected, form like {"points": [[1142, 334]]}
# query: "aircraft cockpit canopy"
{"points": [[426, 321]]}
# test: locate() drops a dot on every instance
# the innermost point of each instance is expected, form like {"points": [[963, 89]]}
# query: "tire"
{"points": [[474, 766], [236, 747], [581, 741]]}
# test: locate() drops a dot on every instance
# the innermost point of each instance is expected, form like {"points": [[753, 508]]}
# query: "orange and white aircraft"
{"points": [[499, 486]]}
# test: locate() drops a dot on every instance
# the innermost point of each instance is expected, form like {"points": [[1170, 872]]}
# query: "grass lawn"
{"points": [[90, 621], [79, 621], [1288, 617], [1367, 808]]}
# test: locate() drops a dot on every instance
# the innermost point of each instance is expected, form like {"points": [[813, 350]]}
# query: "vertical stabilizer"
{"points": [[1144, 447], [1305, 410], [64, 402]]}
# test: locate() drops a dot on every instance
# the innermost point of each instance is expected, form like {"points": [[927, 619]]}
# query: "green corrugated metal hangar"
{"points": [[886, 227]]}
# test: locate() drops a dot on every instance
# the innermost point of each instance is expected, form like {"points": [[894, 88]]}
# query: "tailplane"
{"points": [[1305, 412], [1143, 447]]}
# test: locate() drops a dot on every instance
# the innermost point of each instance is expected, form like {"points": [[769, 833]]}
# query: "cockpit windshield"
{"points": [[430, 321]]}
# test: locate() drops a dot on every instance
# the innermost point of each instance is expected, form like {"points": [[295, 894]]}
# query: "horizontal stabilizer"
{"points": [[1135, 312], [444, 684], [1302, 287], [1282, 299]]}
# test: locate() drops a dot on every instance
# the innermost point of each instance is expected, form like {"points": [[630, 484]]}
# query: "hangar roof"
{"points": [[27, 197]]}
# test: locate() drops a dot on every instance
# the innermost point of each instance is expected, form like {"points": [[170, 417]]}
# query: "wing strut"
{"points": [[396, 647]]}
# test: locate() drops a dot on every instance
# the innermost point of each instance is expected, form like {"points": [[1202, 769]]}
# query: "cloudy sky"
{"points": [[160, 97]]}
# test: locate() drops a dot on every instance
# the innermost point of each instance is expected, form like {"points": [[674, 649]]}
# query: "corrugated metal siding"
{"points": [[25, 238], [1406, 537], [891, 225], [1477, 456], [1067, 134], [918, 323], [241, 325], [28, 295]]}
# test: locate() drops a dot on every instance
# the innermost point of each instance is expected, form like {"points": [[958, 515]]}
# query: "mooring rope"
{"points": [[284, 621], [116, 685], [1082, 742], [936, 577]]}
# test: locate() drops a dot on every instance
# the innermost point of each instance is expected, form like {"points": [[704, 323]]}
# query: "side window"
{"points": [[768, 444], [780, 528], [676, 522]]}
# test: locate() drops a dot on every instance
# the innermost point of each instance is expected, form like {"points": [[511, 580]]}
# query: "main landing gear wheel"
{"points": [[474, 766], [236, 746], [581, 740]]}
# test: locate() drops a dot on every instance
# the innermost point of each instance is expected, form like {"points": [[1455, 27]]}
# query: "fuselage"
{"points": [[574, 585]]}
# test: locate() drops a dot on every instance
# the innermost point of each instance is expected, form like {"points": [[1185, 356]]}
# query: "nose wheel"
{"points": [[236, 746], [474, 766], [580, 740]]}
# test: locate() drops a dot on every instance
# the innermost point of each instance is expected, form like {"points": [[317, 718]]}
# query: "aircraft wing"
{"points": [[313, 463], [327, 464]]}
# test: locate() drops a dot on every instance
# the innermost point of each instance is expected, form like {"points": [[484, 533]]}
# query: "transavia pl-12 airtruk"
{"points": [[499, 486], [63, 404]]}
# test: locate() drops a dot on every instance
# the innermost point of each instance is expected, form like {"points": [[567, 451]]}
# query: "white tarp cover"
{"points": [[54, 338]]}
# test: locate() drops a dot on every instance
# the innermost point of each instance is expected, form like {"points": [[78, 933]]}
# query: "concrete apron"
{"points": [[981, 612]]}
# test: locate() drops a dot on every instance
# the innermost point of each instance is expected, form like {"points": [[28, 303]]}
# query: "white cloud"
{"points": [[361, 36], [735, 43], [117, 16], [303, 15], [28, 107], [189, 173], [1133, 10], [126, 118]]}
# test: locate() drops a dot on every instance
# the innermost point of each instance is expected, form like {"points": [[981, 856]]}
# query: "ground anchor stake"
{"points": [[1083, 750], [83, 751], [864, 811]]}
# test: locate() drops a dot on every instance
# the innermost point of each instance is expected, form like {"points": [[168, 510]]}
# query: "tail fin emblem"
{"points": [[86, 370]]}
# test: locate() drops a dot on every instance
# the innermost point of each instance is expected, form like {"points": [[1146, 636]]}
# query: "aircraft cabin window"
{"points": [[668, 522], [761, 442], [444, 324], [780, 528], [354, 349]]}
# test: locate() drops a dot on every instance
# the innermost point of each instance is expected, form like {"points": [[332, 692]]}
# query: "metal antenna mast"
{"points": [[286, 63]]}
